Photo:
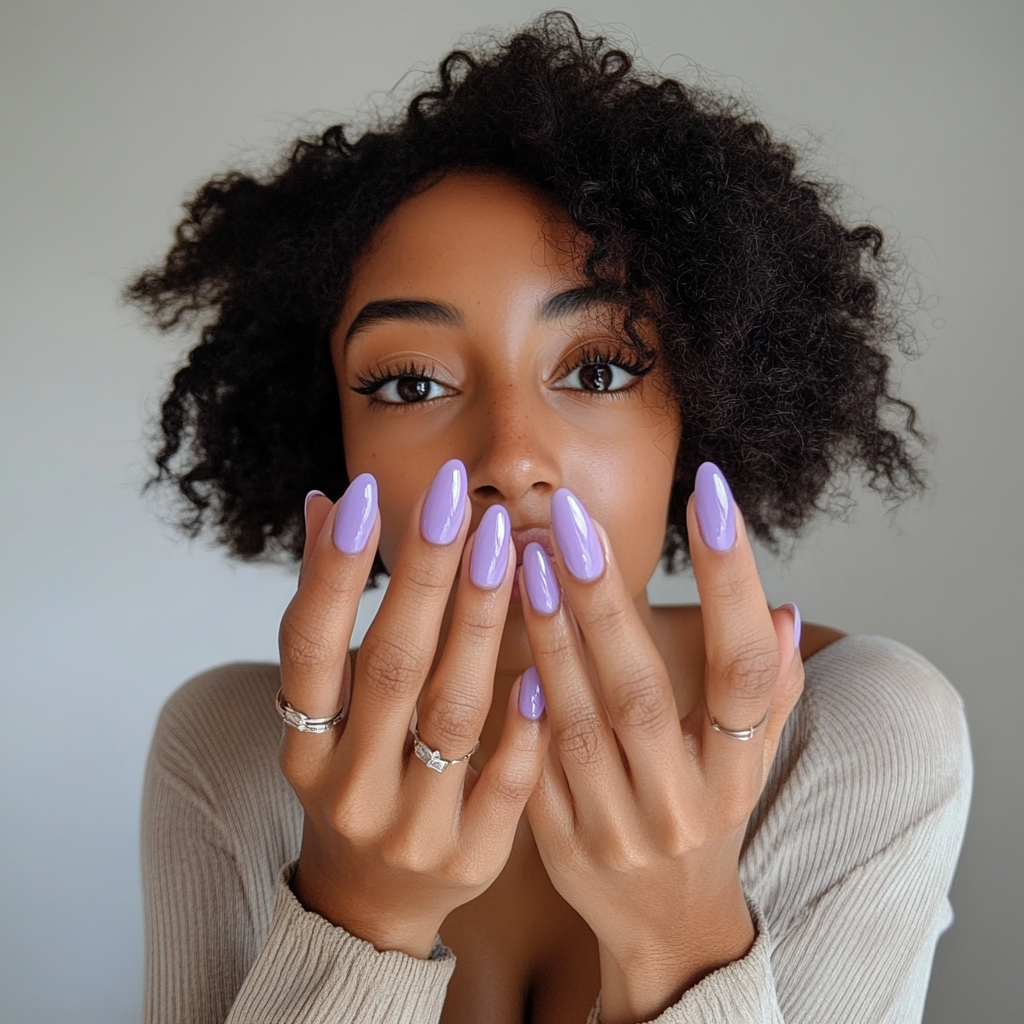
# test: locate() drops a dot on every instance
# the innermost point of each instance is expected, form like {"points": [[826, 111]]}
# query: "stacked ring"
{"points": [[297, 720]]}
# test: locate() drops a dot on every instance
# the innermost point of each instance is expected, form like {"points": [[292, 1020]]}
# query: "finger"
{"points": [[316, 509], [498, 798], [317, 624], [580, 731], [551, 808], [398, 649], [741, 646], [790, 685], [458, 697], [634, 682]]}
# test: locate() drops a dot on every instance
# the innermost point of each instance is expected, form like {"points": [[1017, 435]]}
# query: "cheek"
{"points": [[637, 485], [637, 535]]}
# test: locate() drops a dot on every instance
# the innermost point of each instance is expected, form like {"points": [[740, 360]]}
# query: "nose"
{"points": [[516, 452]]}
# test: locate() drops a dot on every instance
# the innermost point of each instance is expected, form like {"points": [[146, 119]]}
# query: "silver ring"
{"points": [[297, 720], [740, 734], [432, 758]]}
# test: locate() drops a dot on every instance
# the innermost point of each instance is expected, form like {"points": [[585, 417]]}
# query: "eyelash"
{"points": [[632, 362], [372, 382]]}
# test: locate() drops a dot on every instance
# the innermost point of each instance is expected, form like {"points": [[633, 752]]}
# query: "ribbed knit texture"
{"points": [[847, 863]]}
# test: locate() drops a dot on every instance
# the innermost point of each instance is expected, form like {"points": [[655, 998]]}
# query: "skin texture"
{"points": [[626, 860]]}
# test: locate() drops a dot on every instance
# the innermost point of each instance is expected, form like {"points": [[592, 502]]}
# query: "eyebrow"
{"points": [[438, 314], [416, 311], [578, 300]]}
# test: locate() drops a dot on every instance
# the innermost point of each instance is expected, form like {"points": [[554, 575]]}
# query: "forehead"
{"points": [[472, 239]]}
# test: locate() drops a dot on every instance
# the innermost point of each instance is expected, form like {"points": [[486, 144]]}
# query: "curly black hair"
{"points": [[776, 320]]}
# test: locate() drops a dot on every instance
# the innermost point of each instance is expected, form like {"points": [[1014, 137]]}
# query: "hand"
{"points": [[390, 846], [638, 816]]}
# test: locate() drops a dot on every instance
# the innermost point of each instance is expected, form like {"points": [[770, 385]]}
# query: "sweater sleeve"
{"points": [[854, 845], [313, 972], [223, 943]]}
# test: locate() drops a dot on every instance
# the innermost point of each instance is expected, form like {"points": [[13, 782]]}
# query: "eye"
{"points": [[405, 390], [597, 376]]}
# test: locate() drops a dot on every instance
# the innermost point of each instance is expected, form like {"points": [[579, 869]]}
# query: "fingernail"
{"points": [[489, 560], [357, 512], [716, 510], [309, 497], [541, 585], [531, 695], [577, 539], [445, 504], [796, 621]]}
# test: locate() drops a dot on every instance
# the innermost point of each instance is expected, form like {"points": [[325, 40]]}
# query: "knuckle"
{"points": [[607, 616], [735, 810], [479, 629], [300, 645], [403, 850], [389, 667], [333, 588], [727, 588], [581, 739], [552, 647], [347, 814], [623, 857], [474, 874], [751, 670], [641, 704], [428, 578], [678, 838], [451, 717], [513, 788]]}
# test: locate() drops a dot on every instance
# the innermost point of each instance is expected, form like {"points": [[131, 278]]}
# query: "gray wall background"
{"points": [[109, 112]]}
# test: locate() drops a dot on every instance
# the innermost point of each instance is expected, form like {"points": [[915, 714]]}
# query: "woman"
{"points": [[557, 310]]}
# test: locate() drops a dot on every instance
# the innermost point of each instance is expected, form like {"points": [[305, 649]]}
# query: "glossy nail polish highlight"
{"points": [[445, 505], [578, 541], [357, 512], [531, 695], [489, 560], [539, 576], [796, 621], [716, 510]]}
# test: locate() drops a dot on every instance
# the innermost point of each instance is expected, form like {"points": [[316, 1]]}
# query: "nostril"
{"points": [[486, 491]]}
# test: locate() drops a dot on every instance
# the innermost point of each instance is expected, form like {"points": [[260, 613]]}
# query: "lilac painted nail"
{"points": [[531, 695], [445, 505], [716, 510], [577, 539], [541, 585], [796, 621], [489, 560], [357, 512]]}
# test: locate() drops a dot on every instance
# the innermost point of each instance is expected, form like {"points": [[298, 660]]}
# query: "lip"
{"points": [[533, 535]]}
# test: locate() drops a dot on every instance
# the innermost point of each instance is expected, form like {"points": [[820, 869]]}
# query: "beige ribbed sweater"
{"points": [[847, 864]]}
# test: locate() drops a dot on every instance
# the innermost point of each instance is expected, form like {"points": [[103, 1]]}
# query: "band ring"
{"points": [[740, 734], [303, 723], [432, 758]]}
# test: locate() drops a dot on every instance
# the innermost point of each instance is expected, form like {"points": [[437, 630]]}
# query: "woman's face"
{"points": [[468, 333]]}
